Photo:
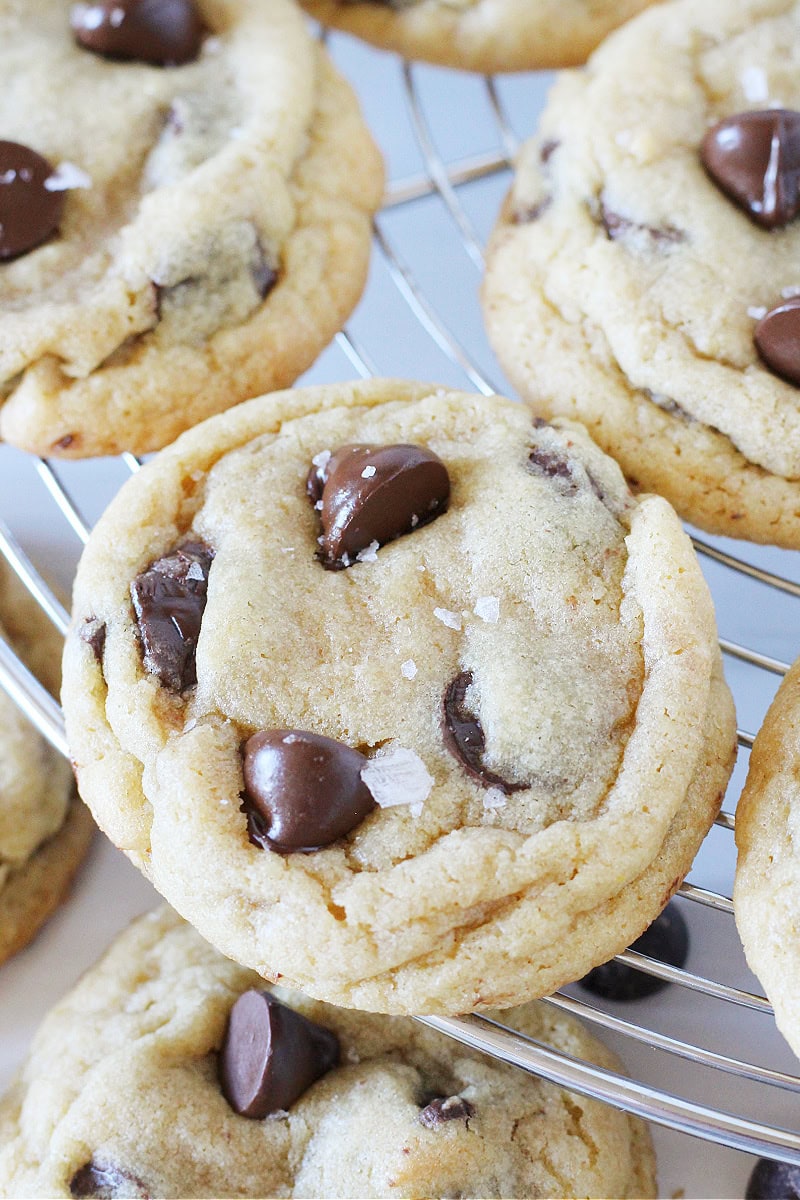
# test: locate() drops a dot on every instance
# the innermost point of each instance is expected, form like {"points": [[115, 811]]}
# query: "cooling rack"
{"points": [[704, 1055]]}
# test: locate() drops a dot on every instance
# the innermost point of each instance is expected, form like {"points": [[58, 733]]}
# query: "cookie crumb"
{"points": [[451, 619], [488, 609]]}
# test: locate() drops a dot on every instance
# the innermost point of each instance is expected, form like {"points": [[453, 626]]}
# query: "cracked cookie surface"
{"points": [[137, 1104], [215, 228], [624, 287], [766, 891], [481, 35], [44, 829], [518, 673]]}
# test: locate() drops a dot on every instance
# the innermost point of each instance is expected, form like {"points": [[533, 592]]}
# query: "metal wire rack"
{"points": [[428, 255]]}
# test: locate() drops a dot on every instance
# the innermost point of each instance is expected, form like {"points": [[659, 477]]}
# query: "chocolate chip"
{"points": [[264, 276], [29, 212], [773, 1181], [375, 494], [617, 226], [161, 32], [667, 940], [526, 216], [754, 158], [777, 338], [302, 790], [271, 1055], [440, 1110], [169, 599], [464, 737], [554, 466], [104, 1181], [93, 632]]}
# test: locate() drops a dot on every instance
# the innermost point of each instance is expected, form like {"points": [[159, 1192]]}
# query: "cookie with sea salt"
{"points": [[404, 698], [643, 275], [179, 1075], [481, 35], [767, 886], [185, 202], [44, 829]]}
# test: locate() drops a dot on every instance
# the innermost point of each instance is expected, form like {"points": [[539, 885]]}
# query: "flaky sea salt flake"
{"points": [[494, 798], [369, 553], [408, 668], [451, 619], [322, 459], [754, 84], [398, 776], [368, 472], [488, 609], [756, 311], [791, 291], [66, 178]]}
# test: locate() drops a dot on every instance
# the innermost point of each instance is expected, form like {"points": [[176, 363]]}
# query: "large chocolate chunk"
{"points": [[617, 226], [777, 338], [271, 1055], [169, 599], [29, 210], [667, 940], [771, 1180], [373, 494], [160, 32], [105, 1181], [465, 739], [441, 1110], [754, 158], [302, 790]]}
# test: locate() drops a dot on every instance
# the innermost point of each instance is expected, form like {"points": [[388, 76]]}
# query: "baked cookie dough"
{"points": [[44, 828], [481, 35], [513, 713], [766, 891], [148, 1040], [625, 284], [214, 227]]}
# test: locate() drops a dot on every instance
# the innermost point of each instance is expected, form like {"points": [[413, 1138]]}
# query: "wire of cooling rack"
{"points": [[444, 181]]}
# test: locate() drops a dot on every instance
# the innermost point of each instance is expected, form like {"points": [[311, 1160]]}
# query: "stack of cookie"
{"points": [[405, 698]]}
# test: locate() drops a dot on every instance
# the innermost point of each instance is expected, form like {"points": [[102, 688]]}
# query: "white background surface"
{"points": [[109, 891]]}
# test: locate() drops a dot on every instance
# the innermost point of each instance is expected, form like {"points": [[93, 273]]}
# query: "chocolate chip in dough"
{"points": [[302, 790], [667, 940], [754, 158], [29, 212], [440, 1110], [93, 632], [771, 1180], [368, 494], [271, 1055], [777, 338], [105, 1181], [169, 599], [160, 32], [465, 739]]}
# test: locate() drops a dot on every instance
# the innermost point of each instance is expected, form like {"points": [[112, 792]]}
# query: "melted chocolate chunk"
{"points": [[302, 790], [264, 276], [160, 32], [617, 226], [375, 494], [169, 599], [93, 632], [271, 1055], [754, 158], [464, 737], [29, 212], [555, 466], [667, 940], [105, 1181], [777, 338], [773, 1181], [440, 1110], [526, 216]]}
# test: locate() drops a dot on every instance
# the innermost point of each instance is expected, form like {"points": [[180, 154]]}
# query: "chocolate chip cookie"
{"points": [[403, 696], [643, 276], [481, 35], [44, 829], [185, 202], [767, 885], [179, 1075]]}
